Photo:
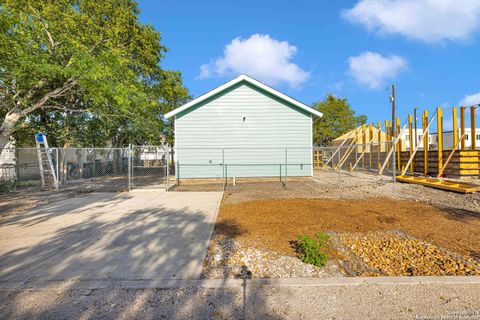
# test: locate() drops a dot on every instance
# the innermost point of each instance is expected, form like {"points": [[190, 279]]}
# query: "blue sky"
{"points": [[429, 48]]}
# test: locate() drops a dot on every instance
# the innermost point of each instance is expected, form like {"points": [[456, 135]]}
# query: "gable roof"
{"points": [[351, 134], [251, 81]]}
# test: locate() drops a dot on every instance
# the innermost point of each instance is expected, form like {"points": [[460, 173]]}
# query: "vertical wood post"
{"points": [[387, 135], [410, 141], [399, 145], [440, 138], [379, 138], [455, 127], [364, 142], [472, 128], [462, 128], [370, 147], [425, 143]]}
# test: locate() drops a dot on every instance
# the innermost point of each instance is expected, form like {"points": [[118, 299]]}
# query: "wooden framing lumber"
{"points": [[473, 138], [399, 145], [441, 184], [455, 127], [361, 156], [425, 143], [462, 127], [387, 135], [364, 142], [410, 142], [370, 147], [349, 151], [425, 130], [379, 148], [390, 153], [440, 139], [338, 149], [440, 170]]}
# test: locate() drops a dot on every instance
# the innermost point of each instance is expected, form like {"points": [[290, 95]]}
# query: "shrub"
{"points": [[6, 186], [313, 251]]}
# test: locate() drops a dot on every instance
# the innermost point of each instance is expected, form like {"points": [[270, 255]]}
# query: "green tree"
{"points": [[84, 62], [338, 118]]}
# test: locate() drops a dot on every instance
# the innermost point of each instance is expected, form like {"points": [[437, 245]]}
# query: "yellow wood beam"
{"points": [[364, 142], [399, 145], [473, 137], [370, 147], [410, 135], [462, 128], [440, 138], [425, 142], [455, 126], [379, 138], [387, 134]]}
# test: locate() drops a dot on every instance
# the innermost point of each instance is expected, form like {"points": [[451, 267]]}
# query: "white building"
{"points": [[433, 138]]}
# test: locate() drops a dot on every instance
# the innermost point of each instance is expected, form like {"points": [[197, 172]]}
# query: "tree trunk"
{"points": [[13, 116], [7, 128]]}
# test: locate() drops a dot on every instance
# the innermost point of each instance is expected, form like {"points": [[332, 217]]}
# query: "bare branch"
{"points": [[53, 44], [67, 85], [63, 108]]}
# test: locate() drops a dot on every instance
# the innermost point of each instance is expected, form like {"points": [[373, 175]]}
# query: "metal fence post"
{"points": [[280, 172], [57, 187], [223, 169], [177, 172], [338, 164], [226, 175], [167, 171], [286, 168], [130, 171], [356, 159]]}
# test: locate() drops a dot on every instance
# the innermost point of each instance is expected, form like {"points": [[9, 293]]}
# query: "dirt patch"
{"points": [[19, 202], [327, 184], [272, 224]]}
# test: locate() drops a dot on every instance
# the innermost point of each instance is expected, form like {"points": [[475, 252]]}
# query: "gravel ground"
{"points": [[336, 301], [395, 254], [227, 258]]}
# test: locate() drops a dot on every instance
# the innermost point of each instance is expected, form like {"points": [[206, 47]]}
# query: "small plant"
{"points": [[7, 186], [313, 251]]}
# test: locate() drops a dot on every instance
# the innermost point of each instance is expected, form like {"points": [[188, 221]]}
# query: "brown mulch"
{"points": [[272, 224]]}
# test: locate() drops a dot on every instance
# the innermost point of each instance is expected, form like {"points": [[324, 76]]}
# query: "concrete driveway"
{"points": [[103, 236]]}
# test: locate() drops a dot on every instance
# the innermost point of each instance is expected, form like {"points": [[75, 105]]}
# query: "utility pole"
{"points": [[394, 132]]}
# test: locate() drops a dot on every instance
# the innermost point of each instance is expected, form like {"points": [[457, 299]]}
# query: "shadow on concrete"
{"points": [[109, 238]]}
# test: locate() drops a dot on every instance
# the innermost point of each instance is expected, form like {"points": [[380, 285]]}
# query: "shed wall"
{"points": [[249, 130]]}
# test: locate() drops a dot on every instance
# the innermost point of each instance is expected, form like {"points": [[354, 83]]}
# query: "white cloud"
{"points": [[259, 56], [372, 69], [337, 86], [470, 100], [425, 20]]}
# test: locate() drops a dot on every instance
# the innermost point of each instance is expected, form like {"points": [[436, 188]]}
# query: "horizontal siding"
{"points": [[252, 148]]}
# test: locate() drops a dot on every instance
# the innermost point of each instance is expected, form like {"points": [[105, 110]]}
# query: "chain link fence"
{"points": [[121, 169], [375, 158], [76, 169], [221, 166]]}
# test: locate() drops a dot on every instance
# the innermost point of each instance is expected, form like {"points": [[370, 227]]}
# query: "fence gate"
{"points": [[149, 167]]}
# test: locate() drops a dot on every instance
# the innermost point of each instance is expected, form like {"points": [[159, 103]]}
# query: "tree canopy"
{"points": [[85, 71], [338, 118]]}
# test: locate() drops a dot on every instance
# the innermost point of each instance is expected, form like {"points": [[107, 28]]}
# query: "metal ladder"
{"points": [[45, 163]]}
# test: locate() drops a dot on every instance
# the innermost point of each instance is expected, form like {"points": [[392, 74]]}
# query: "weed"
{"points": [[313, 251]]}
